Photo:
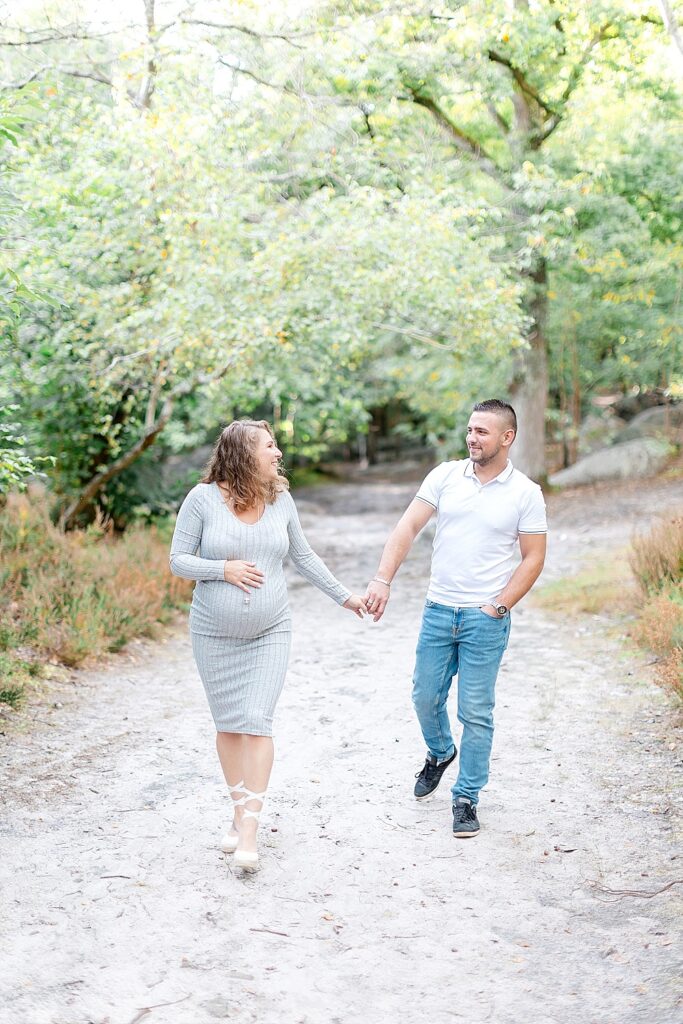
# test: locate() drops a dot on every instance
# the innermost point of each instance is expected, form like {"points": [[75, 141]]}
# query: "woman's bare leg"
{"points": [[230, 754], [257, 762]]}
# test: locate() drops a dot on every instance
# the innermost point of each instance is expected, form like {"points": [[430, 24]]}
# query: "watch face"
{"points": [[501, 609]]}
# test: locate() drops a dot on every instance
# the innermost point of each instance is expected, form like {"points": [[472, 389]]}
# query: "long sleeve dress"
{"points": [[241, 641]]}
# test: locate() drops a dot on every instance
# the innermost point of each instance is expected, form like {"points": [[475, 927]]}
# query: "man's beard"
{"points": [[484, 460]]}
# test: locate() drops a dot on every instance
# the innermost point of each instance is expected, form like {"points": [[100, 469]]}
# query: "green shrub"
{"points": [[12, 695]]}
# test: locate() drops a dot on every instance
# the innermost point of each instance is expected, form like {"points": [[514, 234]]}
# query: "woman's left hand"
{"points": [[356, 605]]}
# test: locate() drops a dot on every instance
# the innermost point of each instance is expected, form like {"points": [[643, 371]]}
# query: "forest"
{"points": [[354, 220], [319, 212]]}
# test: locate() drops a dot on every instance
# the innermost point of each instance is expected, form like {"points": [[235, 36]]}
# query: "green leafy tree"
{"points": [[369, 204], [486, 94], [181, 263], [615, 302]]}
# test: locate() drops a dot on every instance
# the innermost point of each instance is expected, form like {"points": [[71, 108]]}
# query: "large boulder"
{"points": [[599, 429], [641, 457], [629, 406], [665, 421]]}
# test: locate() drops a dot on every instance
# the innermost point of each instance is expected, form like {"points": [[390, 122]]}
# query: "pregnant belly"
{"points": [[221, 609]]}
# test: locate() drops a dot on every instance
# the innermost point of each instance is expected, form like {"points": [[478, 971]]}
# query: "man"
{"points": [[484, 507]]}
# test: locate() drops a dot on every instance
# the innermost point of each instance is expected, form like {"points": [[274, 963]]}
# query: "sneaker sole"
{"points": [[465, 835], [427, 796]]}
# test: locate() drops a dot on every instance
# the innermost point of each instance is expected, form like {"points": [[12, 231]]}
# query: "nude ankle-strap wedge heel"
{"points": [[246, 859]]}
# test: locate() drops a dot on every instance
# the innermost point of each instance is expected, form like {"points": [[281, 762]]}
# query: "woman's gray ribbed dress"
{"points": [[241, 642]]}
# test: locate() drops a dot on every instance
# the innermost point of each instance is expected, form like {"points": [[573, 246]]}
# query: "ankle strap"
{"points": [[250, 795]]}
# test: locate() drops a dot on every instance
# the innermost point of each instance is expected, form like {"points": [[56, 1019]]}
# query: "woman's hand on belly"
{"points": [[242, 574]]}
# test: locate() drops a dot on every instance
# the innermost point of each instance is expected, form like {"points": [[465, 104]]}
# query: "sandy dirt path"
{"points": [[118, 906]]}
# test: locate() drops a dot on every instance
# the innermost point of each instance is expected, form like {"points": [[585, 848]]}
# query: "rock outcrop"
{"points": [[637, 458]]}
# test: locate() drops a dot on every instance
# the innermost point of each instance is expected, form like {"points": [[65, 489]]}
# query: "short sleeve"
{"points": [[430, 488], [533, 517]]}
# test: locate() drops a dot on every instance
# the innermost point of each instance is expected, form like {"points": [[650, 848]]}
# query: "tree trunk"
{"points": [[154, 426], [94, 486], [672, 25], [529, 387]]}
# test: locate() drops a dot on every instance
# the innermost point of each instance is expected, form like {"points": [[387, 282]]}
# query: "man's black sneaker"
{"points": [[465, 821], [430, 776]]}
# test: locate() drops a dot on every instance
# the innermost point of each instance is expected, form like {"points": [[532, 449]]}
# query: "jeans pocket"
{"points": [[493, 618]]}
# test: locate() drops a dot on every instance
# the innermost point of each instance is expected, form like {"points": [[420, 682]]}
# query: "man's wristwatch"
{"points": [[501, 610]]}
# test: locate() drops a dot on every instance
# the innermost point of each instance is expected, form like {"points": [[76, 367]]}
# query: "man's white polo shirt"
{"points": [[477, 528]]}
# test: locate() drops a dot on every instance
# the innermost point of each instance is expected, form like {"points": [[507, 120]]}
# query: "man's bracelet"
{"points": [[378, 579]]}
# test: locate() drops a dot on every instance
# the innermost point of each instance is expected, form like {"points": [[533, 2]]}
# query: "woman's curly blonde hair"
{"points": [[233, 464]]}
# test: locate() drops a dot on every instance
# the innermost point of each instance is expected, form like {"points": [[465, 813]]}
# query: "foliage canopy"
{"points": [[228, 213]]}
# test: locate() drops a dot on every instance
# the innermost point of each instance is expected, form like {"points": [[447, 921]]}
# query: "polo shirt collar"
{"points": [[504, 474]]}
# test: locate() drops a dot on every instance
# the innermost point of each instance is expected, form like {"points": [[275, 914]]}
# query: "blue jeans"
{"points": [[470, 644]]}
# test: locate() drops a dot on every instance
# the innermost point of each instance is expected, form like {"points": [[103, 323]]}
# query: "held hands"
{"points": [[376, 598], [242, 574], [355, 604]]}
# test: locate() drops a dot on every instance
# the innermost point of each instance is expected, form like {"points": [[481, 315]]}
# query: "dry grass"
{"points": [[657, 562], [660, 628], [75, 596], [606, 585], [657, 557], [652, 592], [660, 624]]}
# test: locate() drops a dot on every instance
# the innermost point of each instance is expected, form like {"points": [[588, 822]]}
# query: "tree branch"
{"points": [[256, 78], [578, 69], [229, 27], [497, 116], [153, 428], [412, 333], [575, 76], [525, 86], [88, 493], [56, 38], [97, 76], [366, 110], [464, 142], [146, 91], [671, 24], [153, 400], [335, 101], [26, 81], [94, 76], [127, 356]]}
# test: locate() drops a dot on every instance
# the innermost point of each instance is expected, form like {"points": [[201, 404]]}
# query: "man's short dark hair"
{"points": [[502, 409]]}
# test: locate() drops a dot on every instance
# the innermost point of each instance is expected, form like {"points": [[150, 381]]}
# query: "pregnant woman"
{"points": [[233, 532]]}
